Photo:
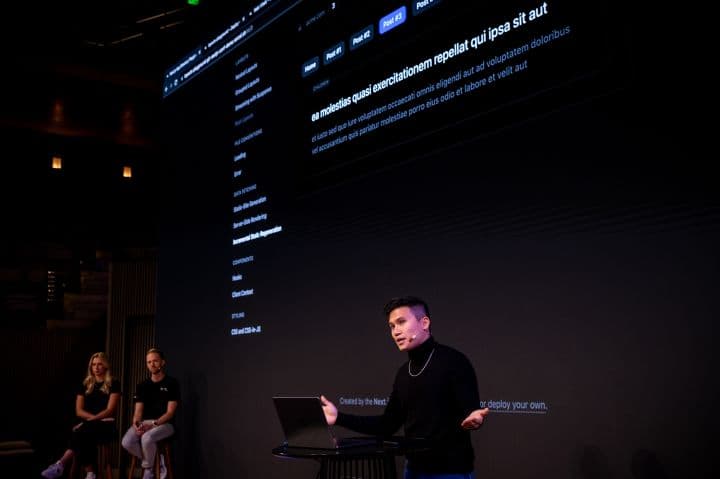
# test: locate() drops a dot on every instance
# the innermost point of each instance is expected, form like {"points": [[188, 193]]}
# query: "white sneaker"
{"points": [[148, 473], [90, 475], [163, 469], [53, 471]]}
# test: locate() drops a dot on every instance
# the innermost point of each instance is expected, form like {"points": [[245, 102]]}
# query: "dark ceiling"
{"points": [[82, 80], [94, 68], [135, 39]]}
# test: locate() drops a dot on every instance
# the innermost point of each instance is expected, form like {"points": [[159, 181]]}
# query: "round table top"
{"points": [[393, 446]]}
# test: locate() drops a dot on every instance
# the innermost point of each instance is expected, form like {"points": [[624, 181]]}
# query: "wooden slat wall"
{"points": [[131, 327]]}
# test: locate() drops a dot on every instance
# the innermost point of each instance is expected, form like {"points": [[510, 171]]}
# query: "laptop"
{"points": [[304, 425]]}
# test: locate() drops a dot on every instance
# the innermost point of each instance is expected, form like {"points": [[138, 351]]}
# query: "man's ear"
{"points": [[425, 321]]}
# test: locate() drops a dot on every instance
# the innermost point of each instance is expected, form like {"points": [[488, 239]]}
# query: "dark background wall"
{"points": [[571, 254], [565, 242]]}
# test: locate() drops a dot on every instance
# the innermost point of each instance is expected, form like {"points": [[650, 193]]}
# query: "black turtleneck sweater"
{"points": [[429, 405]]}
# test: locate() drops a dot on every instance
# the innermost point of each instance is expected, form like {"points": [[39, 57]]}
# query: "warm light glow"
{"points": [[56, 163], [58, 111], [128, 121], [127, 172]]}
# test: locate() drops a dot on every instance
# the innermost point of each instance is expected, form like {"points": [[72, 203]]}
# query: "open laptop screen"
{"points": [[304, 425]]}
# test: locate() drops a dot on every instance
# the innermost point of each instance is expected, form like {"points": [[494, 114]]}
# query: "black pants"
{"points": [[85, 439]]}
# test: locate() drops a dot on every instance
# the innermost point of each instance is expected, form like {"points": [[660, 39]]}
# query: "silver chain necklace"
{"points": [[424, 365]]}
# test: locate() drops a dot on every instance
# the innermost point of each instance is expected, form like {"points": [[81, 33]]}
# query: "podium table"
{"points": [[375, 461]]}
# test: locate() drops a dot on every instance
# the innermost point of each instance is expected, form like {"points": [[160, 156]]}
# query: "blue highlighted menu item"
{"points": [[392, 20]]}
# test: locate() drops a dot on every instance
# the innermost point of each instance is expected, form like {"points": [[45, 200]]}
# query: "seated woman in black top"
{"points": [[95, 405]]}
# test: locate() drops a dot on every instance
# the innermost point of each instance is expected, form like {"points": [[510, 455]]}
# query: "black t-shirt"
{"points": [[96, 400], [156, 395]]}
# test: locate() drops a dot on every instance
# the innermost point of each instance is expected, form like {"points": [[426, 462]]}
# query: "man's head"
{"points": [[155, 360], [409, 321]]}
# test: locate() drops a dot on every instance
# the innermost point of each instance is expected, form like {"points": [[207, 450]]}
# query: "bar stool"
{"points": [[163, 448], [103, 463]]}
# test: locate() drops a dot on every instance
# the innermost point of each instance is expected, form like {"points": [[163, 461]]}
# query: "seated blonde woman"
{"points": [[95, 405]]}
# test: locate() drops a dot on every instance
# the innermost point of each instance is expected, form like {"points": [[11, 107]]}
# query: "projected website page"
{"points": [[322, 93], [327, 156]]}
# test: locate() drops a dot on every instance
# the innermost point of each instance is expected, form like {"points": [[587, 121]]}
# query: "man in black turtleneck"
{"points": [[435, 396]]}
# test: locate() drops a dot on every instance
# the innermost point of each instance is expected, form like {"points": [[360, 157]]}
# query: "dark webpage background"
{"points": [[566, 244]]}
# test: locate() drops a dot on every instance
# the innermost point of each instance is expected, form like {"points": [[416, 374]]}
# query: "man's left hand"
{"points": [[475, 419]]}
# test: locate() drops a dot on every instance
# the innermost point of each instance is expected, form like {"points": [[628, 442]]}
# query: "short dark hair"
{"points": [[413, 302], [156, 351]]}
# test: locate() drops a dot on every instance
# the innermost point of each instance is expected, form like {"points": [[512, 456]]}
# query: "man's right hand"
{"points": [[329, 409], [475, 419]]}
